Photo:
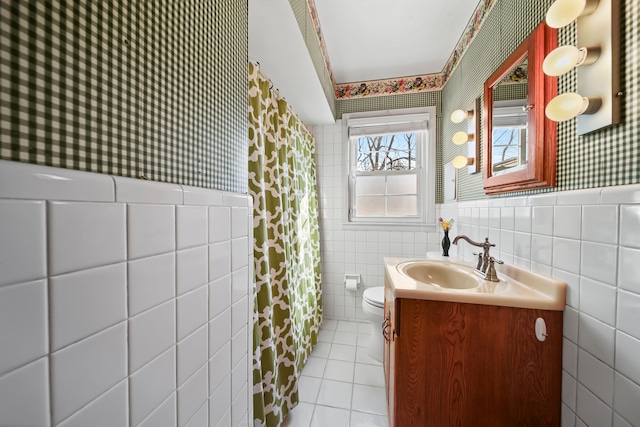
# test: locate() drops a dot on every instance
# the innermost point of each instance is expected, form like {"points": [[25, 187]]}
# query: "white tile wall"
{"points": [[193, 394], [22, 227], [24, 395], [108, 410], [84, 235], [151, 281], [151, 333], [85, 302], [114, 295], [164, 415], [151, 384], [23, 324], [83, 371]]}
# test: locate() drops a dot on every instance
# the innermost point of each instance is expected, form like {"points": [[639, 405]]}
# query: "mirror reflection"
{"points": [[509, 119]]}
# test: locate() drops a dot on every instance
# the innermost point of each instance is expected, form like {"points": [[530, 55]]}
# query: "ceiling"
{"points": [[365, 40], [382, 39]]}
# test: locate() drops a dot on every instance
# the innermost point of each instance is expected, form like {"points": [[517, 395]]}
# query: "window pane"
{"points": [[386, 152], [402, 206], [509, 149], [369, 185], [402, 184], [370, 206]]}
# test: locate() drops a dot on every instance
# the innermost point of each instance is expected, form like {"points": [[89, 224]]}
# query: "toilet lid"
{"points": [[374, 296]]}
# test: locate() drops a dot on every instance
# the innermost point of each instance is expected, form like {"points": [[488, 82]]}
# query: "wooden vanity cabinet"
{"points": [[458, 364]]}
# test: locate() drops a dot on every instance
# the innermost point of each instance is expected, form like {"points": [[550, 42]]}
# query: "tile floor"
{"points": [[341, 385]]}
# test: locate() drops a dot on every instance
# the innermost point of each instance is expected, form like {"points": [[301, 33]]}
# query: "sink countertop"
{"points": [[517, 287]]}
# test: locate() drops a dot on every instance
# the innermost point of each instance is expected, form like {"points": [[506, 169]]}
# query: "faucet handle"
{"points": [[479, 255], [491, 272]]}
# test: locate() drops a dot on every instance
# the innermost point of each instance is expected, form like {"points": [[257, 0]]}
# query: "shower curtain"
{"points": [[288, 305]]}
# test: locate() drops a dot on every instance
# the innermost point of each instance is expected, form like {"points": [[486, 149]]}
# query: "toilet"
{"points": [[373, 307]]}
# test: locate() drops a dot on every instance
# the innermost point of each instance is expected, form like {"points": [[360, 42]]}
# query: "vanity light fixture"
{"points": [[470, 138], [597, 101]]}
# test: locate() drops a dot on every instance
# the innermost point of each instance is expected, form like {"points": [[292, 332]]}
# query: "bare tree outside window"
{"points": [[386, 152]]}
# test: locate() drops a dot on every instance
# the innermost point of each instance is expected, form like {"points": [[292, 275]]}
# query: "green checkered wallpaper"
{"points": [[139, 88], [607, 157]]}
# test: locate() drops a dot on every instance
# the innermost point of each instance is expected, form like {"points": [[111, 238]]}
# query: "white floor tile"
{"points": [[314, 367], [300, 416], [362, 356], [336, 394], [369, 399], [363, 339], [361, 419], [325, 335], [348, 338], [344, 393], [329, 324], [365, 328], [324, 417], [343, 352], [321, 349], [346, 326], [339, 370], [308, 388], [369, 375]]}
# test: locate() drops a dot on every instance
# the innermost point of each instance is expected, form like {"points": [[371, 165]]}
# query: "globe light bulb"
{"points": [[461, 161], [561, 60], [459, 115], [460, 138], [564, 12], [566, 106]]}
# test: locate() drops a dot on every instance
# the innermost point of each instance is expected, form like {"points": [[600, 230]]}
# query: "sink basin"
{"points": [[457, 281], [438, 274]]}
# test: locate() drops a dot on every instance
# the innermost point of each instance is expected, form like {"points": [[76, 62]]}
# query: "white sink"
{"points": [[445, 280]]}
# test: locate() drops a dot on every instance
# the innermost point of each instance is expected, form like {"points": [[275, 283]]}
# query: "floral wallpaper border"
{"points": [[423, 83]]}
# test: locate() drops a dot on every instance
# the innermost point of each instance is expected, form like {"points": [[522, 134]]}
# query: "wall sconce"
{"points": [[469, 137], [597, 101]]}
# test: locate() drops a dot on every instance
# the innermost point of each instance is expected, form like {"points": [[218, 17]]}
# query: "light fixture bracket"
{"points": [[473, 146], [601, 79]]}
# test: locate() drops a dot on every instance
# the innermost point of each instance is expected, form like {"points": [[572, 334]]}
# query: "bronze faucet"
{"points": [[486, 262]]}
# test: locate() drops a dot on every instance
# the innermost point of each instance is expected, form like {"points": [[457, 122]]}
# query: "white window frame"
{"points": [[426, 156]]}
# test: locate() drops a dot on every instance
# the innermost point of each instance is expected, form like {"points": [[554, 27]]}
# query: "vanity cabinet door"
{"points": [[475, 365]]}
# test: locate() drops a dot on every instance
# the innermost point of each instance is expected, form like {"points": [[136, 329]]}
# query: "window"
{"points": [[509, 138], [388, 169]]}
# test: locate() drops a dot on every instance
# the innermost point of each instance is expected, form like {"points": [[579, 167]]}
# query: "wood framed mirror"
{"points": [[519, 141]]}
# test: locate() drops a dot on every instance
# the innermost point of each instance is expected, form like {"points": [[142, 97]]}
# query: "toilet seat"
{"points": [[374, 296]]}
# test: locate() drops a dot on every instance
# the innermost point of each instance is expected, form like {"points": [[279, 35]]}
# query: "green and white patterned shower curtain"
{"points": [[288, 306]]}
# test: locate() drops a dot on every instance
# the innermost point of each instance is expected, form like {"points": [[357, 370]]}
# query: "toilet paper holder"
{"points": [[355, 277], [351, 281]]}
